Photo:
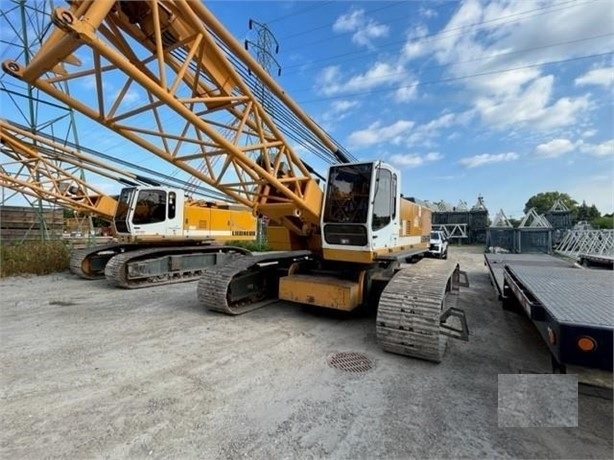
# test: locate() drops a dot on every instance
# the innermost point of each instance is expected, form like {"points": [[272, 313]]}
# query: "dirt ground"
{"points": [[89, 371], [527, 400]]}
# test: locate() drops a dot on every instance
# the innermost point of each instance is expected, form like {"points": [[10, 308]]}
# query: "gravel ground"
{"points": [[91, 371], [527, 400]]}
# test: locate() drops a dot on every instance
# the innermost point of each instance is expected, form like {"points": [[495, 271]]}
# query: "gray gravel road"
{"points": [[88, 371], [527, 400]]}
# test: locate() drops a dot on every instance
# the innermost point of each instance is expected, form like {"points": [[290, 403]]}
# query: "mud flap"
{"points": [[451, 331]]}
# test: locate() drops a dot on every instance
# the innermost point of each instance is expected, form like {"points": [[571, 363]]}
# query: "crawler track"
{"points": [[89, 263], [245, 283], [157, 266], [410, 307]]}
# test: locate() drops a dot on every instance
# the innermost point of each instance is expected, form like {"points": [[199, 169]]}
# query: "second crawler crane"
{"points": [[163, 236]]}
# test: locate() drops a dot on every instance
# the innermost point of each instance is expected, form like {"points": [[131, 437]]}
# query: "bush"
{"points": [[253, 246], [603, 222], [33, 257]]}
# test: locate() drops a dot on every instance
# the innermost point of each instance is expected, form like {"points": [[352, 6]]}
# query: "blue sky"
{"points": [[500, 98]]}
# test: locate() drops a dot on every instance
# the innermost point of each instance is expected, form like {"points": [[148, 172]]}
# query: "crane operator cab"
{"points": [[365, 216], [155, 214], [148, 212], [367, 230]]}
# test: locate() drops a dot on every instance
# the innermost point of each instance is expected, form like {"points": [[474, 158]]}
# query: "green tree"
{"points": [[542, 202], [515, 222], [586, 212]]}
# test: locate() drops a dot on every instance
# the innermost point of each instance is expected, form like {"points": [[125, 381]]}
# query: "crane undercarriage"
{"points": [[136, 265], [414, 303]]}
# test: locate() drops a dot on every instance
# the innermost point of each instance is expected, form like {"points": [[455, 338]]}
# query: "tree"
{"points": [[542, 202], [586, 212], [515, 222]]}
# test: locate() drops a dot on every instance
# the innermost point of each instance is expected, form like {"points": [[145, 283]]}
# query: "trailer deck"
{"points": [[596, 260], [497, 262], [573, 309]]}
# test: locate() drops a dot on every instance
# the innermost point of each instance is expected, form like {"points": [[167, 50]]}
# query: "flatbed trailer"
{"points": [[596, 261], [572, 308]]}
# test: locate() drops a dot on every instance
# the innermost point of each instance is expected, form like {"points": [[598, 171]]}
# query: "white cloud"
{"points": [[563, 112], [603, 77], [443, 121], [380, 72], [599, 150], [484, 158], [422, 134], [338, 111], [371, 30], [376, 133], [349, 22], [327, 81], [343, 105], [589, 133], [427, 12], [493, 37], [504, 84], [407, 91], [364, 29], [554, 148], [413, 46], [510, 28], [558, 147], [331, 82], [130, 97], [413, 160], [530, 106]]}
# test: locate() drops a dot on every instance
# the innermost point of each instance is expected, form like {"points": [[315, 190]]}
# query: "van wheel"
{"points": [[444, 255]]}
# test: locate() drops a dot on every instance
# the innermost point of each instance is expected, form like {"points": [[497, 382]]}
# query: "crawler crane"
{"points": [[343, 247], [146, 253]]}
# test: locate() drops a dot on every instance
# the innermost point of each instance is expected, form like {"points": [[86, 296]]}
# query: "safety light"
{"points": [[586, 343]]}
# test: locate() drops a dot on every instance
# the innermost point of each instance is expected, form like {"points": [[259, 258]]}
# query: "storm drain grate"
{"points": [[350, 361]]}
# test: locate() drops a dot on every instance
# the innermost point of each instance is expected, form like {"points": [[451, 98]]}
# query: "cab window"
{"points": [[150, 207], [383, 205]]}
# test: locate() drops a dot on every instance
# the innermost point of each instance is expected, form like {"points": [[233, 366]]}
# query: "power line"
{"points": [[264, 56], [435, 36], [485, 57], [463, 77], [313, 29]]}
